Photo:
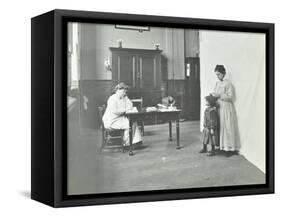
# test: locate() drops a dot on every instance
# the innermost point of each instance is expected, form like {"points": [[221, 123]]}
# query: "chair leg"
{"points": [[106, 138], [101, 147], [102, 141], [122, 141]]}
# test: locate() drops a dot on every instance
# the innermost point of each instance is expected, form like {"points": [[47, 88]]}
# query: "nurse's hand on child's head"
{"points": [[215, 95]]}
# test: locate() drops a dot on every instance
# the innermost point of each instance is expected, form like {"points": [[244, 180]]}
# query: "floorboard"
{"points": [[156, 165]]}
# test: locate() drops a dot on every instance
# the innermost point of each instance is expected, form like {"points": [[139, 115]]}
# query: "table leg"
{"points": [[131, 137], [178, 133], [170, 130]]}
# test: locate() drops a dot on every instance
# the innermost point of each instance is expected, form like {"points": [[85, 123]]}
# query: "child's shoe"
{"points": [[203, 150]]}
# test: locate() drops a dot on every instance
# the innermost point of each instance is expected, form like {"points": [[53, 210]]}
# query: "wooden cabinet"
{"points": [[141, 70]]}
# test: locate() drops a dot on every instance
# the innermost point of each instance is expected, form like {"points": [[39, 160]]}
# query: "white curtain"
{"points": [[175, 53], [243, 55]]}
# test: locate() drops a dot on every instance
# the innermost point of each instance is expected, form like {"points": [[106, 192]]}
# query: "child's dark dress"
{"points": [[210, 122]]}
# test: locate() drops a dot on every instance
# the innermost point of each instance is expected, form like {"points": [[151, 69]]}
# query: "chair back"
{"points": [[101, 110], [138, 103]]}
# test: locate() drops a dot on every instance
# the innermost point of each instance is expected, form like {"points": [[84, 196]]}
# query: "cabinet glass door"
{"points": [[126, 69], [148, 66]]}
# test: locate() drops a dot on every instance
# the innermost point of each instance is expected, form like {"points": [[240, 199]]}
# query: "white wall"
{"points": [[243, 55], [97, 38], [15, 107]]}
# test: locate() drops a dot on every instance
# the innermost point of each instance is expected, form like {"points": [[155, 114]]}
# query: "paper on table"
{"points": [[133, 110], [171, 108], [161, 106], [151, 109]]}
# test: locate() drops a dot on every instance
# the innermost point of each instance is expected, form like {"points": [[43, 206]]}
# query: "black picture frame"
{"points": [[130, 27], [49, 116]]}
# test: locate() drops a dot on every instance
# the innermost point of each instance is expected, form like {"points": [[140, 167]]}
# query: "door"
{"points": [[192, 88]]}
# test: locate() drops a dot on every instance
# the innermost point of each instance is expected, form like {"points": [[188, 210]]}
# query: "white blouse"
{"points": [[116, 106]]}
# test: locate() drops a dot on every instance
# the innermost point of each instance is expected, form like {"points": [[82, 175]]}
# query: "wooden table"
{"points": [[167, 115]]}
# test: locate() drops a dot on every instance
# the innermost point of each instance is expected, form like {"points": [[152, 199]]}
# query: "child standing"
{"points": [[210, 131]]}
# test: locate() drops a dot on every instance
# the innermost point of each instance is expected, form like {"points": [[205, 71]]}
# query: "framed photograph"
{"points": [[134, 108]]}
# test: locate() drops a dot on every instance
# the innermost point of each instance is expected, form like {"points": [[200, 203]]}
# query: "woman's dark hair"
{"points": [[220, 69], [120, 86]]}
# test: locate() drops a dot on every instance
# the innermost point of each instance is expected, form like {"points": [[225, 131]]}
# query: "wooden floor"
{"points": [[157, 164]]}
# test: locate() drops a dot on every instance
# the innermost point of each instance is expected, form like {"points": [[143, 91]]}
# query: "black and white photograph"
{"points": [[140, 108], [160, 108]]}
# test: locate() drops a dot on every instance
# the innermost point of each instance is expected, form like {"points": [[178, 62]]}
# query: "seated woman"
{"points": [[114, 117]]}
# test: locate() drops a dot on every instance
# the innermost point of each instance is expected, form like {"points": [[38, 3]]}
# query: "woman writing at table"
{"points": [[114, 117]]}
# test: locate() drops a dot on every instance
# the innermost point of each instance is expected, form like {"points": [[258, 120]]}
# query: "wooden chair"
{"points": [[110, 136], [139, 104]]}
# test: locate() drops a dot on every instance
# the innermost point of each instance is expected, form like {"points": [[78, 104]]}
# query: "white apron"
{"points": [[229, 134]]}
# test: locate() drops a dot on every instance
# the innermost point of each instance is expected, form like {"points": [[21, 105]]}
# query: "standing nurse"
{"points": [[229, 135]]}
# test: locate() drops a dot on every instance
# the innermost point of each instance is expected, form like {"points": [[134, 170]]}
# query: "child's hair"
{"points": [[212, 100]]}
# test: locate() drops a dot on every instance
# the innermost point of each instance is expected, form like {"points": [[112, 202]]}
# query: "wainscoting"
{"points": [[94, 93]]}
